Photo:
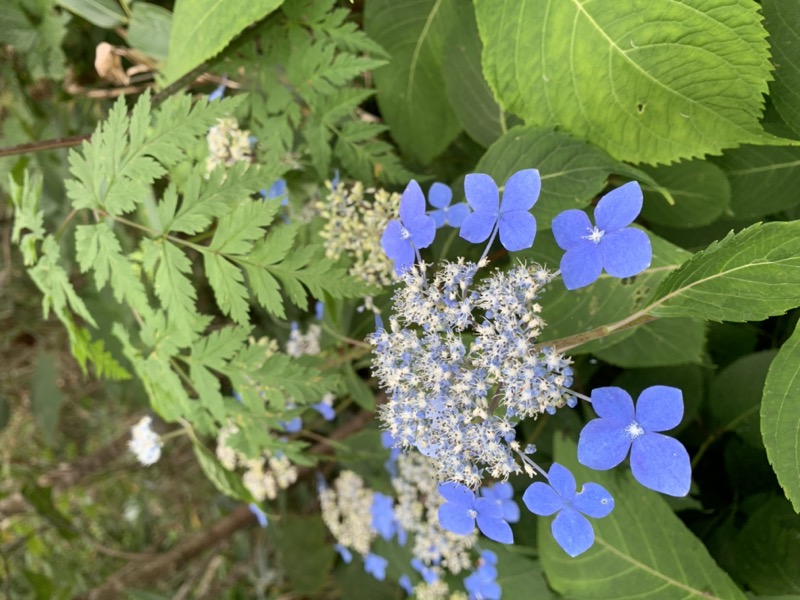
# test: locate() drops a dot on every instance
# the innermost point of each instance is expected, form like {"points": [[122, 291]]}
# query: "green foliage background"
{"points": [[156, 279]]}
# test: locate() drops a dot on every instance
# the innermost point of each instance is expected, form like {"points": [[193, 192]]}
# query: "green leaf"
{"points": [[735, 396], [149, 29], [41, 499], [46, 397], [748, 276], [572, 170], [171, 281], [36, 30], [358, 388], [763, 180], [27, 216], [780, 417], [767, 549], [658, 344], [5, 412], [518, 576], [202, 28], [226, 482], [606, 301], [614, 72], [53, 281], [227, 281], [306, 556], [782, 18], [106, 366], [103, 13], [237, 230], [642, 549], [467, 90], [98, 249], [700, 189], [411, 91]]}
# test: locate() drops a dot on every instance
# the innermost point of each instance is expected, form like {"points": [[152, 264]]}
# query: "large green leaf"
{"points": [[780, 417], [46, 397], [518, 576], [659, 344], [764, 180], [700, 189], [306, 557], [768, 550], [572, 170], [749, 276], [649, 82], [103, 13], [411, 90], [641, 550], [735, 396], [783, 23], [202, 28], [149, 29], [469, 94]]}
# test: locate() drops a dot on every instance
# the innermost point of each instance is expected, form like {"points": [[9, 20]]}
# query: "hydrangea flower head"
{"points": [[516, 225], [502, 493], [610, 244], [462, 509], [658, 462], [415, 229], [571, 529], [440, 196]]}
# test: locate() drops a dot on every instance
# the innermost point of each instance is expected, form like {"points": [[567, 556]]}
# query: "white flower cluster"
{"points": [[301, 344], [347, 511], [416, 511], [354, 224], [437, 590], [227, 144], [264, 476], [145, 443]]}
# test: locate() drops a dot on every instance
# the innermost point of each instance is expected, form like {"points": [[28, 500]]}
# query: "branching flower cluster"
{"points": [[227, 144], [457, 401]]}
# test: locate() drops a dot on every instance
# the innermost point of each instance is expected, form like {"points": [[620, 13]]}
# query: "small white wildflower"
{"points": [[145, 443]]}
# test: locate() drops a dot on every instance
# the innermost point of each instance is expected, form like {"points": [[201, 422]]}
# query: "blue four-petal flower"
{"points": [[611, 245], [461, 509], [571, 529], [516, 225], [376, 566], [482, 583], [415, 229], [440, 196], [502, 493], [658, 462]]}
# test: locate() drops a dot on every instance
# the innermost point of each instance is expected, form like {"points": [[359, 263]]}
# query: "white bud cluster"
{"points": [[354, 224], [347, 511], [145, 443], [227, 144]]}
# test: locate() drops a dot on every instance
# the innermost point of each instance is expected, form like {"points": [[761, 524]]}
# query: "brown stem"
{"points": [[69, 142]]}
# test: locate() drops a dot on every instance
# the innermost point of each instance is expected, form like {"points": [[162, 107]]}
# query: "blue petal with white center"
{"points": [[611, 244], [658, 462], [415, 229], [462, 509]]}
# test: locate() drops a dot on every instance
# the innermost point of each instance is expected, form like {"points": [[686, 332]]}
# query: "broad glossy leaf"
{"points": [[642, 549], [660, 343], [764, 180], [467, 90], [518, 575], [202, 28], [768, 551], [734, 397], [700, 189], [648, 82], [306, 556], [103, 13], [149, 29], [748, 276], [411, 91], [782, 19], [780, 417]]}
